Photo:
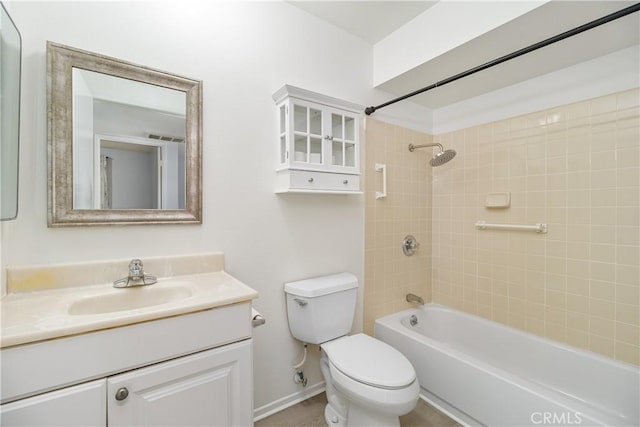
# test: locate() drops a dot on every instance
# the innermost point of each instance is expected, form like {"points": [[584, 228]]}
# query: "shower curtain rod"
{"points": [[589, 25]]}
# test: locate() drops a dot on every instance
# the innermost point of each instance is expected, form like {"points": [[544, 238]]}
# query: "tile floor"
{"points": [[310, 413]]}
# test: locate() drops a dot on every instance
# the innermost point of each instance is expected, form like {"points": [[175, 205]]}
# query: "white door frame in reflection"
{"points": [[170, 191]]}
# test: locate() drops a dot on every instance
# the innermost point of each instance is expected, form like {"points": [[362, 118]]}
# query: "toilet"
{"points": [[368, 382]]}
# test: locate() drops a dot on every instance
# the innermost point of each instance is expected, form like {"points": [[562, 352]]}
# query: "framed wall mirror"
{"points": [[10, 62], [125, 142]]}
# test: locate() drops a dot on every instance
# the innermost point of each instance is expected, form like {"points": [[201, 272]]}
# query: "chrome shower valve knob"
{"points": [[410, 245]]}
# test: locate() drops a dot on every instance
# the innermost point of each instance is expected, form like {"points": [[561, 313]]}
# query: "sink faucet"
{"points": [[415, 298], [136, 276]]}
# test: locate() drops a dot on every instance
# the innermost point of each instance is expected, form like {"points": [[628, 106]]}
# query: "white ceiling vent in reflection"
{"points": [[166, 138]]}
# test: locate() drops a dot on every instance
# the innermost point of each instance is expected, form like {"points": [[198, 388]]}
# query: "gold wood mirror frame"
{"points": [[61, 60]]}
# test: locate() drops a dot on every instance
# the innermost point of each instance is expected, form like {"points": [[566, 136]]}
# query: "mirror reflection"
{"points": [[10, 58], [128, 143]]}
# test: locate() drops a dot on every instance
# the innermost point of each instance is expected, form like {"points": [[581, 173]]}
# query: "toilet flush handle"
{"points": [[301, 302]]}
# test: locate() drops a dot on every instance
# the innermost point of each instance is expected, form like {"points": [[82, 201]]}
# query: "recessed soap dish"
{"points": [[498, 200]]}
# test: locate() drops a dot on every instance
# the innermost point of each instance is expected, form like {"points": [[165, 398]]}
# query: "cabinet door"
{"points": [[343, 134], [81, 405], [307, 134], [211, 388]]}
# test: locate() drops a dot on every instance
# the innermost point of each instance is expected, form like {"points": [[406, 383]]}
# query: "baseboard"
{"points": [[447, 409], [287, 401]]}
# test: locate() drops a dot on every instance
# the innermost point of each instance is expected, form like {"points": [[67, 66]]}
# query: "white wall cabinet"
{"points": [[179, 371], [318, 144]]}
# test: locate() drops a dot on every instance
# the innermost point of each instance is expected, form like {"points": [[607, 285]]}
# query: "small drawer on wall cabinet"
{"points": [[297, 181]]}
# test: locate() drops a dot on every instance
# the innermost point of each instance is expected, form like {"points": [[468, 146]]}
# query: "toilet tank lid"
{"points": [[322, 285]]}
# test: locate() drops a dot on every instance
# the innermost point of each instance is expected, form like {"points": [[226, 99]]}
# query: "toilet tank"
{"points": [[322, 308]]}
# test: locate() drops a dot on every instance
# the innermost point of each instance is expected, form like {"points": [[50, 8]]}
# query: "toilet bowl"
{"points": [[368, 382], [374, 382]]}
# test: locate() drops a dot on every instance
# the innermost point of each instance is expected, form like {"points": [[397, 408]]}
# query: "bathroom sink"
{"points": [[129, 299]]}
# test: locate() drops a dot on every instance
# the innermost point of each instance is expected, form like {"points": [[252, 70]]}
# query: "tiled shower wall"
{"points": [[389, 274], [575, 167]]}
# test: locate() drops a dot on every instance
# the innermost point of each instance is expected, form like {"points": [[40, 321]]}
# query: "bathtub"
{"points": [[480, 372]]}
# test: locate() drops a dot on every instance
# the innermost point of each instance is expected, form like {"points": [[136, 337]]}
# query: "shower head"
{"points": [[439, 158], [442, 157]]}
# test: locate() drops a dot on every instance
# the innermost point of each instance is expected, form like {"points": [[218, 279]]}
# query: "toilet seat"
{"points": [[371, 362], [387, 402]]}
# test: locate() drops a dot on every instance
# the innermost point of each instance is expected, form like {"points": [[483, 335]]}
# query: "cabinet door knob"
{"points": [[122, 393], [328, 138], [310, 179], [345, 182]]}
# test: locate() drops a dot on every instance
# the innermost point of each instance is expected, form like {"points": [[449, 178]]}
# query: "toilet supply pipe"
{"points": [[299, 377], [304, 359]]}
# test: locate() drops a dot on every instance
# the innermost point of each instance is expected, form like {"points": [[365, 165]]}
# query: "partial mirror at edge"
{"points": [[124, 142], [10, 64]]}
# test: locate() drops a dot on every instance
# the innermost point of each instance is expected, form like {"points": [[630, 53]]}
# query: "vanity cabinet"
{"points": [[77, 406], [193, 369], [205, 389], [318, 143]]}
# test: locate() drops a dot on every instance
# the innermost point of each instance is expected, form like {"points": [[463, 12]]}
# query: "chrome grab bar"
{"points": [[538, 228]]}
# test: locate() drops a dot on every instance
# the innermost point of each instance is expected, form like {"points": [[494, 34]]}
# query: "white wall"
{"points": [[82, 143], [604, 75], [110, 118], [174, 184], [243, 52], [134, 178], [441, 28]]}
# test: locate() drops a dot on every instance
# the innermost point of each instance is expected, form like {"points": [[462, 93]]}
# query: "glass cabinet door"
{"points": [[343, 147], [349, 141], [283, 134], [307, 135]]}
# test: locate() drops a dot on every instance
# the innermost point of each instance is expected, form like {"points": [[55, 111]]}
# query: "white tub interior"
{"points": [[475, 362]]}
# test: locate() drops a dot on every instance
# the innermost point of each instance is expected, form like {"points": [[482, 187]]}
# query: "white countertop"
{"points": [[28, 317]]}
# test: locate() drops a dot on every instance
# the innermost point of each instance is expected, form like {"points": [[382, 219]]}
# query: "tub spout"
{"points": [[415, 299]]}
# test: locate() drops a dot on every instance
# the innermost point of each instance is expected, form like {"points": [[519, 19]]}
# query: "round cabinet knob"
{"points": [[345, 182], [122, 393], [310, 179]]}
